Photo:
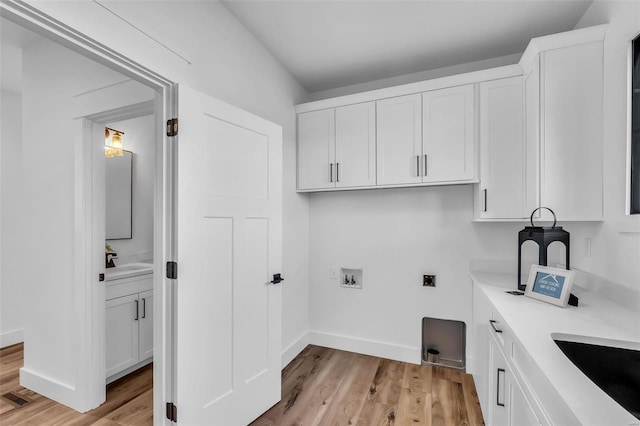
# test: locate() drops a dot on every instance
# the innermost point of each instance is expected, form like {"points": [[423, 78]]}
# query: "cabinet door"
{"points": [[122, 333], [498, 394], [572, 148], [399, 140], [316, 149], [356, 145], [480, 355], [520, 411], [448, 135], [501, 188], [146, 325]]}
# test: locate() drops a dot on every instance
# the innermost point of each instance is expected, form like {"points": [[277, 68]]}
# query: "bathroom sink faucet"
{"points": [[109, 259]]}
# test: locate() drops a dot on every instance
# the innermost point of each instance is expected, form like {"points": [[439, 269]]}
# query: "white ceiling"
{"points": [[329, 44]]}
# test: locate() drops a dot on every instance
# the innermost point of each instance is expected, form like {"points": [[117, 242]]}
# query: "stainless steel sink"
{"points": [[614, 366]]}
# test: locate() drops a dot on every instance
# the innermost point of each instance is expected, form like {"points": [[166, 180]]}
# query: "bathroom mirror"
{"points": [[118, 197]]}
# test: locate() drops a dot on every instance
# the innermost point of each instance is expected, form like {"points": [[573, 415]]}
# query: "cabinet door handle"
{"points": [[493, 325], [485, 199], [501, 404], [144, 308], [337, 172], [330, 172], [425, 164], [137, 309], [417, 166]]}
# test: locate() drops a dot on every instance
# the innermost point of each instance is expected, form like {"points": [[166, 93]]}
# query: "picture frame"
{"points": [[551, 285]]}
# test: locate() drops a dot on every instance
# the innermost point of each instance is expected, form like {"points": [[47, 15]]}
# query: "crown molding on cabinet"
{"points": [[560, 40], [411, 88]]}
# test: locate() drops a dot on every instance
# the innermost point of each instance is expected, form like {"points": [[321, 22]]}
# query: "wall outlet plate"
{"points": [[428, 280]]}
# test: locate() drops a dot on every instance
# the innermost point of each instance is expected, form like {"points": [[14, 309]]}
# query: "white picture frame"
{"points": [[551, 285]]}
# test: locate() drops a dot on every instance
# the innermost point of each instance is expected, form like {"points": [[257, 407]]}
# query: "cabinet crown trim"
{"points": [[559, 41], [413, 88]]}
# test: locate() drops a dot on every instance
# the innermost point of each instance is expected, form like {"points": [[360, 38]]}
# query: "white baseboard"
{"points": [[367, 347], [11, 337], [51, 388], [294, 349]]}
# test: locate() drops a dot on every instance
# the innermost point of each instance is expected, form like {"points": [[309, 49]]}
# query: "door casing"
{"points": [[89, 390]]}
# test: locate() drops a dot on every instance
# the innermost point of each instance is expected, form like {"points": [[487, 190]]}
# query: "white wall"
{"points": [[224, 60], [139, 138], [54, 78], [11, 247], [615, 250]]}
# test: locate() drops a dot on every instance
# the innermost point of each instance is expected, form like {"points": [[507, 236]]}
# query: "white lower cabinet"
{"points": [[507, 404], [129, 332], [505, 396]]}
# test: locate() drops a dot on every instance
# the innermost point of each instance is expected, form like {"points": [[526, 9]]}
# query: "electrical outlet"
{"points": [[333, 273], [429, 280]]}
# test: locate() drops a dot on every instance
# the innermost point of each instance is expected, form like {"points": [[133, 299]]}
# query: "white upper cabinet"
{"points": [[571, 140], [427, 138], [448, 135], [399, 136], [564, 119], [355, 145], [501, 193], [337, 147], [316, 149]]}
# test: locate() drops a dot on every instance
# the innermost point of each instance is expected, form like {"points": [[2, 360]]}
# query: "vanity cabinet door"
{"points": [[146, 325], [122, 333]]}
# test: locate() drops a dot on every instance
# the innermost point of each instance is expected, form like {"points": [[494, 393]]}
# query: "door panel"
{"points": [[399, 140], [356, 145], [121, 333], [448, 132], [146, 325], [229, 246], [316, 149]]}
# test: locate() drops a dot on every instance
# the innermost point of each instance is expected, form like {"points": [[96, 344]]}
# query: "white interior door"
{"points": [[229, 247]]}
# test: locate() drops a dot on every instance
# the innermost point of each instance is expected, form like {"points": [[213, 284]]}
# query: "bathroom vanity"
{"points": [[129, 319]]}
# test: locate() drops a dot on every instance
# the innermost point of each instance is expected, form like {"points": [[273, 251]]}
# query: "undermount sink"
{"points": [[611, 364], [128, 270]]}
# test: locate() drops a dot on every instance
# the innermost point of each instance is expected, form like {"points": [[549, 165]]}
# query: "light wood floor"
{"points": [[129, 400], [320, 386], [328, 387]]}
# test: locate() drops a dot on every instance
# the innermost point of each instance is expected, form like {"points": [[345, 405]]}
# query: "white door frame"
{"points": [[164, 228]]}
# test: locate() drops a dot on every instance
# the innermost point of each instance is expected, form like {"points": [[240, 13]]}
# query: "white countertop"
{"points": [[533, 322]]}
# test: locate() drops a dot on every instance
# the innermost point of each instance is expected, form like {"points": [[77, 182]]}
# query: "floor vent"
{"points": [[15, 400]]}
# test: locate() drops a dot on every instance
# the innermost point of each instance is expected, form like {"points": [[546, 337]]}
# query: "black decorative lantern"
{"points": [[543, 236]]}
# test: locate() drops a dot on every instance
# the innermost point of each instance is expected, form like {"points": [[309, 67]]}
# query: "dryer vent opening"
{"points": [[444, 342]]}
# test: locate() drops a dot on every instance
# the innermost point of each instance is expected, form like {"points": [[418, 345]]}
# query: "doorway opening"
{"points": [[59, 209]]}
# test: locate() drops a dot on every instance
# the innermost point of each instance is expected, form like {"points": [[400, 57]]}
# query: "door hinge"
{"points": [[172, 127], [172, 412], [172, 270]]}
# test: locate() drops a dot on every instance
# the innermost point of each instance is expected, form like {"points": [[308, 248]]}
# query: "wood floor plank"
{"points": [[346, 406], [413, 408], [386, 385], [418, 378], [376, 414], [472, 404], [313, 404]]}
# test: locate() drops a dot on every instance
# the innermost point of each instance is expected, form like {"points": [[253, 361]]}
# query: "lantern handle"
{"points": [[554, 215]]}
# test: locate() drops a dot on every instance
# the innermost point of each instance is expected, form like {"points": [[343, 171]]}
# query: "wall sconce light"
{"points": [[113, 143]]}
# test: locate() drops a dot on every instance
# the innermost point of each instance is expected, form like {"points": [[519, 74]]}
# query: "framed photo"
{"points": [[551, 285]]}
